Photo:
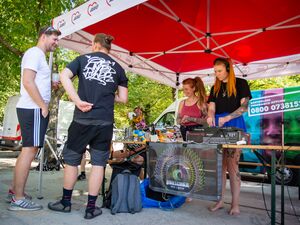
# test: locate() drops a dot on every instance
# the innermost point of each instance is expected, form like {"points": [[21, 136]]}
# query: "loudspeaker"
{"points": [[191, 170]]}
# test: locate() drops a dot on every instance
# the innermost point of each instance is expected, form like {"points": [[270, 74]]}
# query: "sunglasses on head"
{"points": [[50, 29]]}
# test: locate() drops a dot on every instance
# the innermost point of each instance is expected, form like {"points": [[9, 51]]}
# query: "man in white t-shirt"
{"points": [[33, 113]]}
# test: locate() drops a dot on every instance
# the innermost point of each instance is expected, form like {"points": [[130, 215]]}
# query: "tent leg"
{"points": [[273, 189], [40, 196]]}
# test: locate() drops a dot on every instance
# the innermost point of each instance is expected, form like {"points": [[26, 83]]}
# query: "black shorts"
{"points": [[98, 137], [33, 127]]}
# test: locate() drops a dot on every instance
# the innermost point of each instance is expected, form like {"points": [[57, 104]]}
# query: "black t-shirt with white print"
{"points": [[226, 104], [99, 77]]}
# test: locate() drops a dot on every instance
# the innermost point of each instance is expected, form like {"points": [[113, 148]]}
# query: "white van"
{"points": [[10, 137], [65, 117], [168, 117], [11, 134]]}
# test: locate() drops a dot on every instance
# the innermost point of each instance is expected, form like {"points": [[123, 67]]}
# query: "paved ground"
{"points": [[193, 213]]}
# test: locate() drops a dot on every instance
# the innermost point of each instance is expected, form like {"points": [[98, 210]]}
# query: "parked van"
{"points": [[168, 117], [11, 133], [273, 118], [65, 117]]}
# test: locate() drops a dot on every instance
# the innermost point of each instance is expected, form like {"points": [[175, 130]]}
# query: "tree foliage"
{"points": [[150, 95], [20, 22], [276, 82]]}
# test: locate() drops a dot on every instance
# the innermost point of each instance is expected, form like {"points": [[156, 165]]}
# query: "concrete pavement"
{"points": [[192, 213]]}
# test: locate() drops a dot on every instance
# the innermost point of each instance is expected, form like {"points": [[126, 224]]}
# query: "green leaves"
{"points": [[20, 22], [150, 95]]}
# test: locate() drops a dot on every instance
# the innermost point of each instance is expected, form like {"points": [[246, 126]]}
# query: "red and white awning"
{"points": [[166, 39]]}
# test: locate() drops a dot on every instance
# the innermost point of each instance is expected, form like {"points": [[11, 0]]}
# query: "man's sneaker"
{"points": [[11, 194], [59, 206], [92, 213], [24, 204]]}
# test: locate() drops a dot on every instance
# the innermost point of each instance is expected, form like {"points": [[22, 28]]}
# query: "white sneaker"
{"points": [[24, 205], [11, 195]]}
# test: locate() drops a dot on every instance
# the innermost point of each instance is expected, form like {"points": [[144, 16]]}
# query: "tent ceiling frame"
{"points": [[211, 46]]}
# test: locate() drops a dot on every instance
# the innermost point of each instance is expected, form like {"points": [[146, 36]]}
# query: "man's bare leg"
{"points": [[95, 180], [22, 170], [70, 176]]}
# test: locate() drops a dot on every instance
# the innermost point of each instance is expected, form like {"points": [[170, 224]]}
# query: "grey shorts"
{"points": [[98, 137], [98, 158]]}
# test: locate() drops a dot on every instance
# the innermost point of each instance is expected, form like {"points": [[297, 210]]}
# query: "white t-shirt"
{"points": [[35, 59]]}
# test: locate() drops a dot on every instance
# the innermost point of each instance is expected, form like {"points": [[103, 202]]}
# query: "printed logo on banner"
{"points": [[61, 23], [75, 16], [108, 2], [274, 104], [92, 7]]}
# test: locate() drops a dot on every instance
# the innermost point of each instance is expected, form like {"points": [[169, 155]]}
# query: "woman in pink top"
{"points": [[192, 111]]}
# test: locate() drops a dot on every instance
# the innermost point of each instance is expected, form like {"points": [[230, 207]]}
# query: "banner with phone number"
{"points": [[283, 102]]}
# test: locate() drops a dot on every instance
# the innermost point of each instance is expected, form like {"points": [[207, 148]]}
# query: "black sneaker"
{"points": [[92, 213], [59, 206], [81, 177]]}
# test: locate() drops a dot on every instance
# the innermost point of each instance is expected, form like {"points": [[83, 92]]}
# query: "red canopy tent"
{"points": [[170, 40]]}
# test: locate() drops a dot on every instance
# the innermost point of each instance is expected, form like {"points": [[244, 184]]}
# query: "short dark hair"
{"points": [[49, 30]]}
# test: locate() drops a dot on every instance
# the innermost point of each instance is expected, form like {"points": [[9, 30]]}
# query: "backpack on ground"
{"points": [[125, 193]]}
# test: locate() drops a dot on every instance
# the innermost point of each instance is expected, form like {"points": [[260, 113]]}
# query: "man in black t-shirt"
{"points": [[102, 81]]}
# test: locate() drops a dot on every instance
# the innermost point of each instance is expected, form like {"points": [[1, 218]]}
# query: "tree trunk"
{"points": [[52, 127]]}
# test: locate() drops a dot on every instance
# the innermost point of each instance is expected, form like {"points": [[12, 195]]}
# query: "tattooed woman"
{"points": [[228, 100]]}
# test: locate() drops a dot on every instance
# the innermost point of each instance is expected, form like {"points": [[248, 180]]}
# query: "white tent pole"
{"points": [[254, 30], [42, 152], [51, 61], [236, 32], [237, 40], [40, 188], [170, 50], [166, 52], [186, 51], [222, 50], [183, 24], [171, 17], [257, 32], [176, 95], [286, 21], [284, 27]]}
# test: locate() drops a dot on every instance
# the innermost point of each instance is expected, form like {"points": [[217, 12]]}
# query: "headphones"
{"points": [[227, 66], [224, 61]]}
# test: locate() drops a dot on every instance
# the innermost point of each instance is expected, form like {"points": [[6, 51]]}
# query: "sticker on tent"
{"points": [[277, 103]]}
